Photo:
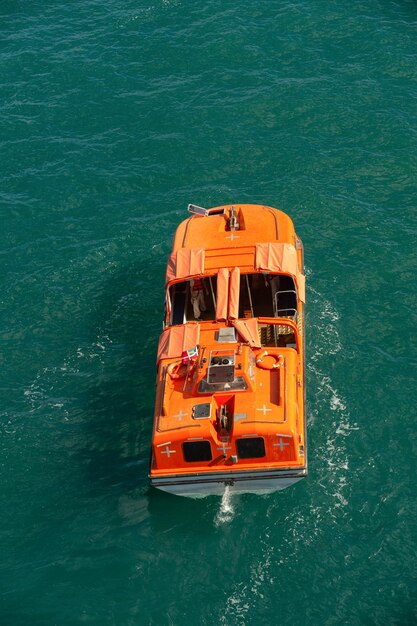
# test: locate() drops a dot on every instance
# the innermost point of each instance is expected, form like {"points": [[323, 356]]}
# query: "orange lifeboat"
{"points": [[230, 393]]}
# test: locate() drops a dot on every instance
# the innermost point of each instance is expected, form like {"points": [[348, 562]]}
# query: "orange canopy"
{"points": [[184, 263], [280, 257], [174, 340], [222, 294], [228, 287], [234, 289], [248, 329]]}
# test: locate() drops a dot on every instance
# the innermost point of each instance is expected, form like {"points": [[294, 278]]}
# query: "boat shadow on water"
{"points": [[119, 394], [119, 399]]}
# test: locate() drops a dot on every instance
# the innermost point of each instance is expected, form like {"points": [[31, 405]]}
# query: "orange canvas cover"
{"points": [[222, 294], [175, 339], [280, 257], [234, 288], [276, 257], [301, 284], [248, 329], [184, 263]]}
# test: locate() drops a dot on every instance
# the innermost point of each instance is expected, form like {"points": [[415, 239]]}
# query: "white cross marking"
{"points": [[168, 452], [224, 448], [264, 409], [180, 415], [281, 444], [232, 236]]}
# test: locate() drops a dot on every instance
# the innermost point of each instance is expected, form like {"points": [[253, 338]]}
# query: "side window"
{"points": [[285, 297], [255, 296], [178, 296], [196, 451], [267, 295], [250, 448], [192, 300]]}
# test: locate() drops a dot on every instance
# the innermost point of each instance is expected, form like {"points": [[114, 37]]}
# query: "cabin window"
{"points": [[267, 295], [197, 451], [192, 300], [250, 448]]}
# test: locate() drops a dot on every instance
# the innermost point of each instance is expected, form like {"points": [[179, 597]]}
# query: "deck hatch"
{"points": [[226, 335], [202, 411]]}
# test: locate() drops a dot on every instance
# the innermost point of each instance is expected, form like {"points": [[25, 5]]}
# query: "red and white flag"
{"points": [[189, 356]]}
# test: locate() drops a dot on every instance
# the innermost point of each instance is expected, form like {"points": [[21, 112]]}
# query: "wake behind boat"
{"points": [[230, 368]]}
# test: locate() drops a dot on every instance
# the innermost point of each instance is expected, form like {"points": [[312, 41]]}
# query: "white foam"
{"points": [[328, 403], [237, 605], [328, 413], [226, 512]]}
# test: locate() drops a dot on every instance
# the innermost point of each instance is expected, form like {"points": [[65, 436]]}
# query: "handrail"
{"points": [[277, 311]]}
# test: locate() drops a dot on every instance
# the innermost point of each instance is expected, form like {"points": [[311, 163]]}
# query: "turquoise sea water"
{"points": [[113, 117]]}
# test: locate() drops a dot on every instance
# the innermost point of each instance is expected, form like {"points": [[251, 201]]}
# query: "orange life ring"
{"points": [[279, 361], [177, 369]]}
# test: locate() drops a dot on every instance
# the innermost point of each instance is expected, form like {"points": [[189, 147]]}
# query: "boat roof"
{"points": [[264, 242], [257, 224]]}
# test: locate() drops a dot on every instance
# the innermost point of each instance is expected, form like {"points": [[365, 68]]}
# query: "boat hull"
{"points": [[201, 486]]}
